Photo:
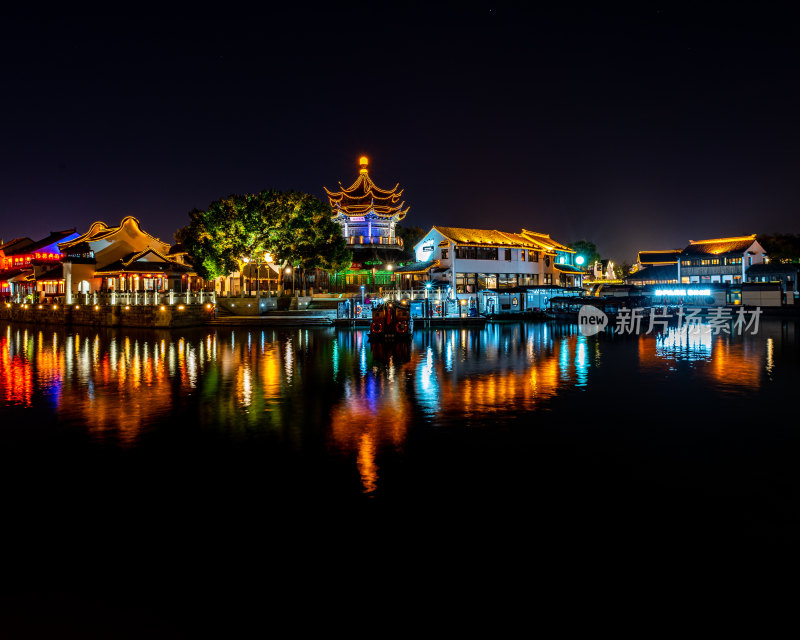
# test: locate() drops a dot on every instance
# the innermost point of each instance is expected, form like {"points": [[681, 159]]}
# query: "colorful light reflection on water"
{"points": [[302, 389]]}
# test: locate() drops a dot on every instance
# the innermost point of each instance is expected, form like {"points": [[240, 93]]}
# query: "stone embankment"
{"points": [[160, 316]]}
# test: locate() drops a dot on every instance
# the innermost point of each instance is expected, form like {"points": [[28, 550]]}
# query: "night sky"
{"points": [[636, 129]]}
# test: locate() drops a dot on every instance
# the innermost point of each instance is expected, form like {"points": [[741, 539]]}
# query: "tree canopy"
{"points": [[781, 247], [586, 249], [294, 228], [410, 235]]}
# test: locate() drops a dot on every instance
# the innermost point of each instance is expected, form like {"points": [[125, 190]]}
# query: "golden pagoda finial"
{"points": [[363, 161]]}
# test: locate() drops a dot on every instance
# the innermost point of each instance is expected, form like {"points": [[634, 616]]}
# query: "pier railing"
{"points": [[135, 298], [422, 304]]}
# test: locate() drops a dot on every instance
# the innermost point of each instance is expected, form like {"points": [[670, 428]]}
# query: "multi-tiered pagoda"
{"points": [[369, 216], [367, 213]]}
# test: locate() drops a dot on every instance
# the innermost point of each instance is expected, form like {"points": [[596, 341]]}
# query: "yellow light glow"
{"points": [[363, 161], [180, 307], [163, 308]]}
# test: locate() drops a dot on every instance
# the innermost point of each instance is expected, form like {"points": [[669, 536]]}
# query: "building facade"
{"points": [[123, 259], [495, 270], [719, 260], [33, 270]]}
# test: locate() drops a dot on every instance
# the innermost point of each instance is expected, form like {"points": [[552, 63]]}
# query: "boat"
{"points": [[391, 321]]}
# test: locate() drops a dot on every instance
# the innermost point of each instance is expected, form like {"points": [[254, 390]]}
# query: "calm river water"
{"points": [[526, 428]]}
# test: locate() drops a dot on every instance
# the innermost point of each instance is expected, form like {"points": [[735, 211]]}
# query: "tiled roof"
{"points": [[100, 230], [57, 273], [654, 257], [14, 245], [12, 273], [55, 236], [132, 264], [546, 240], [716, 246], [568, 268], [484, 237], [655, 273], [417, 267]]}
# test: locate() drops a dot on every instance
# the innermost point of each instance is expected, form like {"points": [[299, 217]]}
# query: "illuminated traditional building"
{"points": [[368, 216], [719, 259], [33, 268], [655, 267], [469, 261], [122, 258]]}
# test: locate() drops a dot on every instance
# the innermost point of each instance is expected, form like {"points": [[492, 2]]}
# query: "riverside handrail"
{"points": [[136, 298]]}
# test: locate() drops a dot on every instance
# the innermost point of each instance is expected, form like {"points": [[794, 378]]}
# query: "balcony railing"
{"points": [[384, 240]]}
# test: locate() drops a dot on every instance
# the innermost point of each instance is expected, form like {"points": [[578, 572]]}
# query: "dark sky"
{"points": [[636, 129]]}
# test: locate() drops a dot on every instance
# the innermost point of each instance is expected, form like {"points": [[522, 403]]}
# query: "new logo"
{"points": [[591, 320]]}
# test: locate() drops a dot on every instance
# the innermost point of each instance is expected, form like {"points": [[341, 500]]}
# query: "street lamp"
{"points": [[289, 270], [267, 260]]}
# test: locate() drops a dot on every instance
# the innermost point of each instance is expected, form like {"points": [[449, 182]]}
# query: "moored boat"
{"points": [[391, 321]]}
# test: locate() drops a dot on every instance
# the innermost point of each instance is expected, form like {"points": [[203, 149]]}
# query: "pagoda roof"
{"points": [[364, 196], [716, 246], [664, 256]]}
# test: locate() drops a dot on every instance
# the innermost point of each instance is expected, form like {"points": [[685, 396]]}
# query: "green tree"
{"points": [[410, 235], [586, 249], [223, 237], [622, 271], [781, 247], [295, 228], [303, 234]]}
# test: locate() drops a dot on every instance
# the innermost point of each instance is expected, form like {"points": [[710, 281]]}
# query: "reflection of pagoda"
{"points": [[369, 216]]}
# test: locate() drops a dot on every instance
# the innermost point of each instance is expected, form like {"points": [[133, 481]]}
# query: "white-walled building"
{"points": [[719, 259], [470, 261], [122, 258]]}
